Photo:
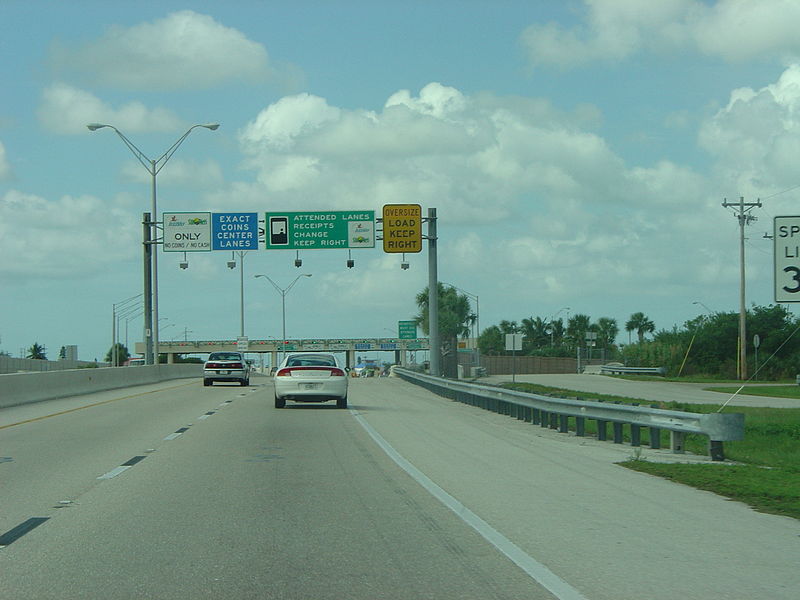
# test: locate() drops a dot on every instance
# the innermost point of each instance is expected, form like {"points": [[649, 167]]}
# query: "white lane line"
{"points": [[114, 472], [534, 569], [172, 436]]}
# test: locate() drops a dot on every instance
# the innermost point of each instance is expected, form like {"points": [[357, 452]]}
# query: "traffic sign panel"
{"points": [[786, 239], [187, 232], [407, 330], [320, 230], [234, 231], [402, 228]]}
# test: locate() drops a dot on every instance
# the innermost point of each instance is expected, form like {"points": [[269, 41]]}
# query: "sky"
{"points": [[578, 154]]}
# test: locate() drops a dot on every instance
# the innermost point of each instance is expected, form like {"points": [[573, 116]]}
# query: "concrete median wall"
{"points": [[23, 388]]}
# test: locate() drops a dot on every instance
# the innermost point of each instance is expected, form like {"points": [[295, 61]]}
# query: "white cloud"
{"points": [[184, 50], [66, 109], [476, 157], [739, 30], [5, 168], [46, 229], [613, 30], [756, 137], [518, 185]]}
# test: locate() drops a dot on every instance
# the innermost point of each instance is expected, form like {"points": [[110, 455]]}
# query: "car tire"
{"points": [[341, 402], [244, 382], [280, 402], [207, 382]]}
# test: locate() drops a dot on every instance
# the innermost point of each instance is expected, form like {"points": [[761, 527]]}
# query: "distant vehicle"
{"points": [[134, 362], [226, 366], [310, 377]]}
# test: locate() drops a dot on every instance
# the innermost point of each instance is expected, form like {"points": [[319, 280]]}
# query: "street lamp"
{"points": [[118, 310], [283, 292], [151, 258]]}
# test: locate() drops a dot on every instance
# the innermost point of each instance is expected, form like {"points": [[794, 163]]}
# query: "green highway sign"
{"points": [[407, 330], [320, 230]]}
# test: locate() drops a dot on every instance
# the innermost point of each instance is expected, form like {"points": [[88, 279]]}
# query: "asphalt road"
{"points": [[394, 498]]}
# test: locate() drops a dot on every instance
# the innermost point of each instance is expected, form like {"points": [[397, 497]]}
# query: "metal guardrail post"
{"points": [[554, 413], [677, 439]]}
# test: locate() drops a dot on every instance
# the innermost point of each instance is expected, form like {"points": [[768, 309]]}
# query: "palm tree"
{"points": [[577, 326], [607, 331], [640, 324], [556, 332], [455, 319], [536, 332], [509, 326], [37, 351]]}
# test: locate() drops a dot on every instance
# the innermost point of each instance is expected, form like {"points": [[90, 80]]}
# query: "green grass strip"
{"points": [[771, 491], [769, 478]]}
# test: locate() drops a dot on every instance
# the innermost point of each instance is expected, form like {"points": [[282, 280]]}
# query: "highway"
{"points": [[174, 490]]}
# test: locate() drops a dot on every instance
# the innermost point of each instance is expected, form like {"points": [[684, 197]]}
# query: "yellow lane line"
{"points": [[64, 412]]}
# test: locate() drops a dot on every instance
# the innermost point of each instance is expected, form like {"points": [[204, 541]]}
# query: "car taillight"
{"points": [[287, 371], [235, 366]]}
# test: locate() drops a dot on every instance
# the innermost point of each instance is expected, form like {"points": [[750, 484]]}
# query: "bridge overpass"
{"points": [[351, 346]]}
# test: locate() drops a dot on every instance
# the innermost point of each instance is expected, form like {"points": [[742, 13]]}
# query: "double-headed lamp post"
{"points": [[283, 292], [150, 257]]}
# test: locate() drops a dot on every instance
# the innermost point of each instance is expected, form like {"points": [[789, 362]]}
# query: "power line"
{"points": [[783, 192]]}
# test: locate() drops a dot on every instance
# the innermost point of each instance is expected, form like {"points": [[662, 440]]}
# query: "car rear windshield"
{"points": [[311, 361], [225, 356]]}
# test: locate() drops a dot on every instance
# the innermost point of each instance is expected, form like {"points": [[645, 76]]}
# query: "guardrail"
{"points": [[622, 370], [556, 413]]}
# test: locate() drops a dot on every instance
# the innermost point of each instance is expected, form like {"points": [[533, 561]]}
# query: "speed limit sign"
{"points": [[787, 259]]}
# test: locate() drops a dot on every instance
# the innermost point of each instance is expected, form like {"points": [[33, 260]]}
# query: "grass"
{"points": [[766, 490], [768, 476], [776, 391]]}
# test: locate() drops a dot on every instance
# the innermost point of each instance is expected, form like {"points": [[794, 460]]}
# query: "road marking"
{"points": [[114, 472], [122, 468], [176, 434], [533, 568], [13, 535]]}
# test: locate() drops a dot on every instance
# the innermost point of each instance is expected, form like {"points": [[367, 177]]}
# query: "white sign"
{"points": [[513, 341], [187, 232], [242, 344], [787, 259]]}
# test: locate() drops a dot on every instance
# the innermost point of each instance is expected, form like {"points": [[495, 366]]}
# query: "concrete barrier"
{"points": [[24, 388]]}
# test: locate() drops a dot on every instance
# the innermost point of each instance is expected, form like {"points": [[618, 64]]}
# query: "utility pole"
{"points": [[741, 210]]}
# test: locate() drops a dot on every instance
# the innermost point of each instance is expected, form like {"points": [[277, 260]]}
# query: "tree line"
{"points": [[705, 345]]}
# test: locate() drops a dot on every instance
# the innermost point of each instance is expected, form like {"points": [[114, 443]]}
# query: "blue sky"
{"points": [[578, 154]]}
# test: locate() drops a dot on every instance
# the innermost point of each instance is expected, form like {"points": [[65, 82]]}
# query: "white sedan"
{"points": [[310, 377]]}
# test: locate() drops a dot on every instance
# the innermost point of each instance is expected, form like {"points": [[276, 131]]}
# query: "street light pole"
{"points": [[283, 292], [151, 261], [117, 310]]}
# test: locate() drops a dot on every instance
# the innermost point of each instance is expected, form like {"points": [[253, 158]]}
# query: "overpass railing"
{"points": [[559, 413]]}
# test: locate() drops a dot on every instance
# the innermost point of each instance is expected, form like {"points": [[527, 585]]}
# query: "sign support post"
{"points": [[433, 297]]}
